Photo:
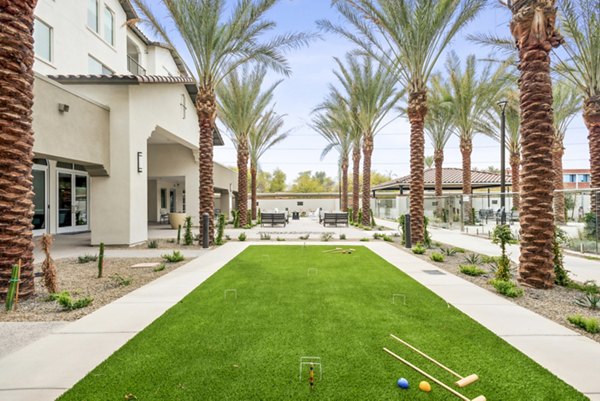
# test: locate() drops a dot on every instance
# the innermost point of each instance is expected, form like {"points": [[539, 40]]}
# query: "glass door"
{"points": [[40, 200], [72, 202]]}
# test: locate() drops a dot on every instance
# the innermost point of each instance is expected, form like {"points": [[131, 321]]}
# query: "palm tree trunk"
{"points": [[466, 148], [438, 157], [16, 143], [345, 184], [559, 197], [417, 110], [206, 107], [533, 27], [591, 117], [366, 191], [515, 165], [355, 182], [242, 165], [253, 171]]}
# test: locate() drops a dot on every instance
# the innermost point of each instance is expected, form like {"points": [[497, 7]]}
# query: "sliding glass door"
{"points": [[73, 201]]}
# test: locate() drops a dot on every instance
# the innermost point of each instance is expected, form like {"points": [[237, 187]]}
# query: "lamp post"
{"points": [[502, 105]]}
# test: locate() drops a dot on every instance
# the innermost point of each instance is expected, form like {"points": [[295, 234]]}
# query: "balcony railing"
{"points": [[134, 67]]}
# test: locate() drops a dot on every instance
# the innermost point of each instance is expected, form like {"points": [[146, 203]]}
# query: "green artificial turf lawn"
{"points": [[206, 348]]}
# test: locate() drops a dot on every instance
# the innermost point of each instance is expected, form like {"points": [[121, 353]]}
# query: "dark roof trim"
{"points": [[129, 10]]}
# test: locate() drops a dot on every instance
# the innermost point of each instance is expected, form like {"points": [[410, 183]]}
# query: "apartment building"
{"points": [[116, 133]]}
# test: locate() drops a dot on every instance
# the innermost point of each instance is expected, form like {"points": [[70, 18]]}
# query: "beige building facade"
{"points": [[116, 133]]}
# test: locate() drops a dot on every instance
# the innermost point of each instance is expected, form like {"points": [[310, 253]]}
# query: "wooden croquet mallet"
{"points": [[462, 382], [433, 379], [311, 376], [332, 250]]}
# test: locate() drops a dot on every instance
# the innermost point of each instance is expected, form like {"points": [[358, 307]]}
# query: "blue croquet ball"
{"points": [[403, 383]]}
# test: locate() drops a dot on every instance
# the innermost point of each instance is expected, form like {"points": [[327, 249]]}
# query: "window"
{"points": [[97, 68], [163, 198], [584, 178], [92, 15], [109, 26], [569, 177], [42, 36]]}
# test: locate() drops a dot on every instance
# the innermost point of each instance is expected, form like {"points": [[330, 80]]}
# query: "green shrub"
{"points": [[503, 236], [342, 236], [153, 244], [489, 259], [160, 267], [507, 288], [436, 257], [589, 300], [65, 300], [419, 249], [220, 229], [589, 287], [242, 237], [236, 218], [175, 257], [387, 238], [87, 258], [365, 239], [188, 237], [448, 251], [377, 236], [590, 225], [458, 250], [122, 281], [305, 237], [502, 268], [590, 325], [265, 236], [471, 270], [280, 239], [472, 259], [561, 275], [326, 236]]}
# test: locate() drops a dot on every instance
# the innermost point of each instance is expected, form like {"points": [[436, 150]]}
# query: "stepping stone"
{"points": [[151, 264]]}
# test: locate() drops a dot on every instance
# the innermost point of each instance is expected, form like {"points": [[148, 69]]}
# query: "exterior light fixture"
{"points": [[63, 108], [139, 162]]}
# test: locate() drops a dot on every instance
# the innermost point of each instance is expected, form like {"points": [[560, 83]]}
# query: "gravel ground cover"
{"points": [[80, 280]]}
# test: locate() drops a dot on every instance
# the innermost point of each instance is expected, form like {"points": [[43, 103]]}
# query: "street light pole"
{"points": [[502, 105]]}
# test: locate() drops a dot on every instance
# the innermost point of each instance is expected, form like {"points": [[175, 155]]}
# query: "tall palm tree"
{"points": [[407, 36], [335, 126], [567, 103], [580, 23], [535, 34], [439, 127], [513, 144], [373, 86], [472, 95], [241, 104], [16, 142], [356, 148], [266, 133], [217, 47]]}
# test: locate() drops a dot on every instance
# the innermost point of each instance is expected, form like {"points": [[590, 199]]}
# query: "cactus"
{"points": [[11, 294], [188, 238], [101, 260], [220, 229]]}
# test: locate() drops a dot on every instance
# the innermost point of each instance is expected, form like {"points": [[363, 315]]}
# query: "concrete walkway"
{"points": [[581, 269], [34, 374]]}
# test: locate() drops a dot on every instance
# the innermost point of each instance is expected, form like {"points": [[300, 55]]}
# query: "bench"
{"points": [[272, 219], [335, 219]]}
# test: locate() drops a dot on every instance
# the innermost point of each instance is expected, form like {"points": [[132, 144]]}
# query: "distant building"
{"points": [[577, 178]]}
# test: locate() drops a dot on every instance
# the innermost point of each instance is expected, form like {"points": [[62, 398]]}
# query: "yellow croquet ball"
{"points": [[424, 386]]}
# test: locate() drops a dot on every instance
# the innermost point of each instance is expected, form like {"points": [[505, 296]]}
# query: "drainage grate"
{"points": [[434, 272]]}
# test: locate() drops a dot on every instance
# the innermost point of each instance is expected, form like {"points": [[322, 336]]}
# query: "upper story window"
{"points": [[42, 35], [584, 178], [109, 26], [92, 15], [569, 177], [97, 68]]}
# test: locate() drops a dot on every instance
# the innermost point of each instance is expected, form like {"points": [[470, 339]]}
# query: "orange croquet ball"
{"points": [[424, 386]]}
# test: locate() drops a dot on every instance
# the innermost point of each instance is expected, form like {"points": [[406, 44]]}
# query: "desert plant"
{"points": [[459, 250], [590, 225], [174, 257], [188, 237], [305, 237], [590, 325], [426, 235], [373, 224], [227, 238], [220, 229], [472, 259], [436, 257], [101, 260], [179, 234], [87, 258], [377, 236], [65, 300], [489, 259], [48, 266], [12, 287], [236, 218], [153, 244], [265, 236], [342, 236], [448, 251], [507, 288], [589, 300], [326, 237], [471, 270], [419, 249], [170, 241], [561, 275], [160, 267], [365, 239], [503, 236], [120, 280], [242, 237], [280, 239], [387, 238]]}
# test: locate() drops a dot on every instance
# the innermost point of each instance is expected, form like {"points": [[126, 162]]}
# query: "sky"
{"points": [[312, 68]]}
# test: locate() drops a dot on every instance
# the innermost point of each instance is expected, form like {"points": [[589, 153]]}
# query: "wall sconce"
{"points": [[63, 108], [139, 162]]}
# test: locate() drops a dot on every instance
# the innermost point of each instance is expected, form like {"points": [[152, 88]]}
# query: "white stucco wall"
{"points": [[160, 62], [309, 205]]}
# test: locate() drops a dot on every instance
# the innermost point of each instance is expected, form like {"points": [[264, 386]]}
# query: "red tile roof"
{"points": [[451, 179]]}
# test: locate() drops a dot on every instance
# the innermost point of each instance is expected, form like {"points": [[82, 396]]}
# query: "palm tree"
{"points": [[241, 104], [580, 23], [472, 96], [408, 37], [375, 95], [265, 134], [356, 148], [439, 128], [513, 143], [533, 28], [217, 47], [16, 143], [567, 103], [335, 126]]}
